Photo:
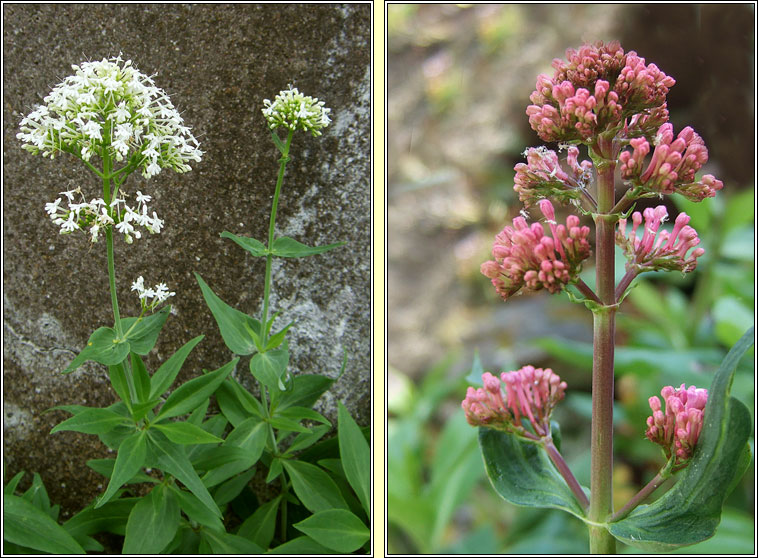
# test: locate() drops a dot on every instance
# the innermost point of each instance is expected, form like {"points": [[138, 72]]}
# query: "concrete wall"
{"points": [[217, 63]]}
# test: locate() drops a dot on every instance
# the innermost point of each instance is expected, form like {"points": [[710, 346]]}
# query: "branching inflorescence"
{"points": [[614, 103]]}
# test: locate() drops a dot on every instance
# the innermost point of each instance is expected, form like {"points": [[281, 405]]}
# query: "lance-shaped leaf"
{"points": [[287, 247], [356, 459], [152, 523], [338, 529], [130, 458], [166, 374], [141, 378], [315, 489], [234, 325], [269, 367], [92, 420], [690, 511], [191, 394], [28, 526], [186, 433], [142, 336], [259, 527], [104, 347], [522, 473], [255, 247]]}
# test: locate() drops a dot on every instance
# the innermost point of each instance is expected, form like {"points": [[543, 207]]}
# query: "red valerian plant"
{"points": [[613, 103]]}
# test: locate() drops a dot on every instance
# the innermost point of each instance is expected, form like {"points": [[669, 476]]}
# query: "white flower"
{"points": [[77, 109], [158, 295], [139, 284], [296, 111], [143, 198], [52, 208]]}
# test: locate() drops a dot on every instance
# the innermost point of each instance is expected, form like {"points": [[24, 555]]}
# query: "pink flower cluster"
{"points": [[542, 176], [673, 164], [677, 430], [591, 92], [530, 393], [525, 257], [667, 251]]}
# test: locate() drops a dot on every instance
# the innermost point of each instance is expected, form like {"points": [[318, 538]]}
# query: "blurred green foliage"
{"points": [[671, 330]]}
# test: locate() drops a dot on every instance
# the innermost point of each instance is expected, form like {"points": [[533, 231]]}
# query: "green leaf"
{"points": [[286, 424], [278, 142], [336, 529], [111, 517], [172, 460], [195, 509], [269, 367], [117, 374], [743, 463], [522, 473], [250, 435], [166, 374], [301, 546], [259, 527], [286, 247], [306, 390], [307, 439], [101, 347], [130, 458], [356, 460], [224, 463], [152, 523], [92, 420], [105, 467], [231, 488], [192, 394], [255, 247], [142, 338], [140, 410], [226, 543], [475, 376], [313, 486], [10, 488], [141, 378], [37, 496], [25, 525], [690, 511], [231, 322], [186, 433], [236, 403], [275, 340], [274, 470], [301, 413]]}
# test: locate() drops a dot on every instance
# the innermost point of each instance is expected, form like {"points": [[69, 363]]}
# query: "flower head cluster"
{"points": [[667, 251], [525, 257], [678, 428], [542, 176], [530, 393], [150, 298], [295, 111], [593, 91], [673, 165], [95, 215], [111, 108]]}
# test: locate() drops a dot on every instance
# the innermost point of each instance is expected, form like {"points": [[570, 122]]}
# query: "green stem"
{"points": [[272, 221], [109, 242], [642, 495], [285, 488], [566, 473], [601, 451]]}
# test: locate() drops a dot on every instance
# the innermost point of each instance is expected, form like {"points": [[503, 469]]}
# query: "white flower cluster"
{"points": [[96, 214], [158, 295], [294, 110], [110, 105]]}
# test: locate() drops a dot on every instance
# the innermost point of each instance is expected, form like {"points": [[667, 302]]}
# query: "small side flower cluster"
{"points": [[593, 91], [525, 257], [110, 106], [96, 215], [673, 165], [668, 251], [150, 298], [542, 176], [530, 393], [677, 430], [295, 111]]}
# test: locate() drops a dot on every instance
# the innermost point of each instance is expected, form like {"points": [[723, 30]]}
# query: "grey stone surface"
{"points": [[217, 63]]}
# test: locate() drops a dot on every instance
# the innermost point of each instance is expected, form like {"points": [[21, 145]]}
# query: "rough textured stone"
{"points": [[217, 63]]}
